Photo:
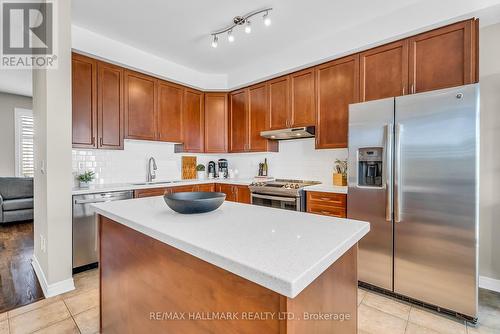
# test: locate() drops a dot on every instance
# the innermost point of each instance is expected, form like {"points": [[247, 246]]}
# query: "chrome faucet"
{"points": [[151, 173]]}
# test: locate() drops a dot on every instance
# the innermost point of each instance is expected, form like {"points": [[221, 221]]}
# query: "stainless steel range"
{"points": [[282, 194]]}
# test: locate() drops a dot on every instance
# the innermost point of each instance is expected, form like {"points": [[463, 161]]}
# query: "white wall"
{"points": [[97, 45], [8, 102], [489, 239], [52, 181], [296, 159]]}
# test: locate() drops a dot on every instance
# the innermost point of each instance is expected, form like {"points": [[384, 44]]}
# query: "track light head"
{"points": [[215, 41], [267, 19], [230, 36], [248, 27]]}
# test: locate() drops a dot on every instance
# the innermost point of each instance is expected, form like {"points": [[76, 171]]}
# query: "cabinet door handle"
{"points": [[101, 142], [92, 141], [413, 88]]}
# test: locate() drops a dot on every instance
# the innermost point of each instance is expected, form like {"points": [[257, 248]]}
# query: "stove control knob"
{"points": [[296, 186]]}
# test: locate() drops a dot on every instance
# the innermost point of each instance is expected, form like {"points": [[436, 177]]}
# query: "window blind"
{"points": [[25, 156]]}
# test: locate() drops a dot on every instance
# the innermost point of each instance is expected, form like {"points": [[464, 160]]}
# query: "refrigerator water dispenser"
{"points": [[370, 167]]}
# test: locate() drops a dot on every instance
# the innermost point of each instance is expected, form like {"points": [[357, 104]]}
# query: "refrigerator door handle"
{"points": [[397, 174], [389, 128]]}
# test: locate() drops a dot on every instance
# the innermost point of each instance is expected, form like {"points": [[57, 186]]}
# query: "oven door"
{"points": [[287, 203]]}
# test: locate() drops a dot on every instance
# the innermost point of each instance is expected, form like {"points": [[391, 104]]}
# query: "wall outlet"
{"points": [[42, 243]]}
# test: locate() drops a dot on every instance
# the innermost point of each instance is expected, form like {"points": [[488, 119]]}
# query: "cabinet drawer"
{"points": [[327, 210], [139, 193], [326, 199], [208, 187]]}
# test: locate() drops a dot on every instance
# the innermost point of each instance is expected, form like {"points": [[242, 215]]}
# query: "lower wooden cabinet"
{"points": [[208, 187], [139, 193], [234, 193], [327, 204]]}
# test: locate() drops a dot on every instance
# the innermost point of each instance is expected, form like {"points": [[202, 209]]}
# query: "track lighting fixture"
{"points": [[240, 21]]}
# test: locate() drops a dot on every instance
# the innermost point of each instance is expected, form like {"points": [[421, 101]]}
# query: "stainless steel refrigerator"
{"points": [[413, 174]]}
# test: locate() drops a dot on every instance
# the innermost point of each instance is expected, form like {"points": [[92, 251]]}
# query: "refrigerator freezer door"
{"points": [[435, 198], [370, 132]]}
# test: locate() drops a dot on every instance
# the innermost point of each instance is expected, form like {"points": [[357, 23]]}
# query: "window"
{"points": [[24, 143]]}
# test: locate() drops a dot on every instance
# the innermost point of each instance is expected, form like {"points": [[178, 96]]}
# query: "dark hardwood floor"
{"points": [[18, 282]]}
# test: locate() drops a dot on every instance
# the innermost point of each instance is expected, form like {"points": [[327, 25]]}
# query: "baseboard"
{"points": [[489, 283], [54, 289]]}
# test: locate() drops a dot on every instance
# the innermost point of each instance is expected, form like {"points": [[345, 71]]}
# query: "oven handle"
{"points": [[277, 198]]}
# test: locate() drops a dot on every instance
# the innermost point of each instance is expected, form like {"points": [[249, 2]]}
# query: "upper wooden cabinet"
{"points": [[110, 113], [140, 106], [170, 105], [384, 71], [97, 98], [84, 100], [279, 98], [445, 57], [238, 121], [292, 100], [258, 115], [193, 119], [337, 85], [249, 114], [110, 102], [216, 122], [302, 98]]}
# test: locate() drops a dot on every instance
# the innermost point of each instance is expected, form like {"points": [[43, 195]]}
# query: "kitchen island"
{"points": [[239, 269]]}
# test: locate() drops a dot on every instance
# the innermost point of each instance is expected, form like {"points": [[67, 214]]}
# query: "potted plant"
{"points": [[340, 173], [85, 178], [200, 171]]}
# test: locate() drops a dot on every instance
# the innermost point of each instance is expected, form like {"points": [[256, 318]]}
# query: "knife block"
{"points": [[339, 180]]}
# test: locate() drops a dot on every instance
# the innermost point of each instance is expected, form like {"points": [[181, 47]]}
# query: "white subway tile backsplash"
{"points": [[297, 159]]}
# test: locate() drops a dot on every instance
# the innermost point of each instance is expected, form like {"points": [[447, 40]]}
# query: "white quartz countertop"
{"points": [[158, 184], [175, 183], [279, 249], [327, 188]]}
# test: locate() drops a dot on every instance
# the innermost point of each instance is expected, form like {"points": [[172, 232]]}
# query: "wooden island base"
{"points": [[150, 287]]}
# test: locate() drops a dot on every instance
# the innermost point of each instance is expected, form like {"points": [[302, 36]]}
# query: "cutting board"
{"points": [[188, 168]]}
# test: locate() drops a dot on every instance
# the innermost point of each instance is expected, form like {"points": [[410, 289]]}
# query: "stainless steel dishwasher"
{"points": [[85, 231]]}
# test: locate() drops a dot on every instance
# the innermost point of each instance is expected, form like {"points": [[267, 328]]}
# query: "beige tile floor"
{"points": [[73, 312], [78, 312], [379, 314]]}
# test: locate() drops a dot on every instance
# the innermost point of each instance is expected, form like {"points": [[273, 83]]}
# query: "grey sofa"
{"points": [[16, 199]]}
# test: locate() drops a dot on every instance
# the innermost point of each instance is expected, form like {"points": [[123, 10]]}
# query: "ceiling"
{"points": [[16, 82], [180, 30], [302, 33]]}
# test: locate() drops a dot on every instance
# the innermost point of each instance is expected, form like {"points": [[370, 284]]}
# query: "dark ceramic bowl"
{"points": [[194, 202]]}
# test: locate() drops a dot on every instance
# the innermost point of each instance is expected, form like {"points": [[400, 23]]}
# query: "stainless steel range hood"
{"points": [[291, 133]]}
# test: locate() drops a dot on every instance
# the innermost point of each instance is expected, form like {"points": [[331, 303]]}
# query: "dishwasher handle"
{"points": [[91, 201]]}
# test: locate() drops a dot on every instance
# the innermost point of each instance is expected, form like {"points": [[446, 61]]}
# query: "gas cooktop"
{"points": [[282, 187]]}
